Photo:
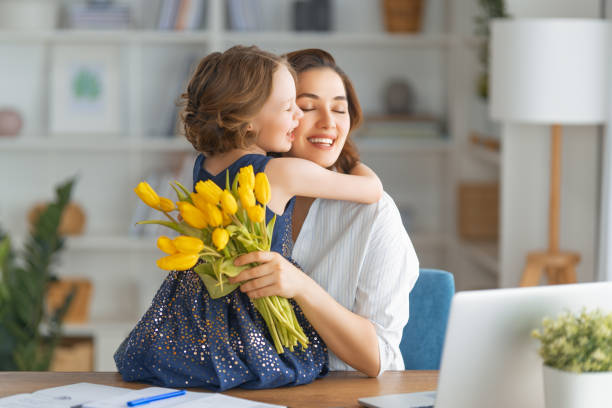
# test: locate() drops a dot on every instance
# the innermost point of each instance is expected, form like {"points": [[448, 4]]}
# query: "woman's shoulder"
{"points": [[385, 207]]}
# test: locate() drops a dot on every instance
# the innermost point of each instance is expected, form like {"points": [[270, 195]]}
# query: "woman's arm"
{"points": [[290, 177], [350, 336]]}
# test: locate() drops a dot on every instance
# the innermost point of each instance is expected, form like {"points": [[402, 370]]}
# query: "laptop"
{"points": [[489, 357]]}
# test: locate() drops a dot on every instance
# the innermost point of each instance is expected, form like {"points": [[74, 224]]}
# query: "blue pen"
{"points": [[146, 400]]}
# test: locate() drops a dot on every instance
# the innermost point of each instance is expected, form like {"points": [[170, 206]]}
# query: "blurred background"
{"points": [[89, 89]]}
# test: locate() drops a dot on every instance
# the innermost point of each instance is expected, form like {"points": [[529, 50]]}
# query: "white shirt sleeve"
{"points": [[389, 271]]}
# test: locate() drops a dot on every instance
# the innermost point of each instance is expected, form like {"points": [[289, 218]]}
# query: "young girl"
{"points": [[239, 105]]}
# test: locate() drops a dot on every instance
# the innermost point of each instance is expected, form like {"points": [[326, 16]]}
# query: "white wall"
{"points": [[525, 174]]}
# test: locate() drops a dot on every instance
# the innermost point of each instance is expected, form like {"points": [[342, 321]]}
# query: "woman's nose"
{"points": [[326, 119]]}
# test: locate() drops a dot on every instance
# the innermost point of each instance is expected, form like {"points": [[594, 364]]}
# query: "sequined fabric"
{"points": [[187, 339]]}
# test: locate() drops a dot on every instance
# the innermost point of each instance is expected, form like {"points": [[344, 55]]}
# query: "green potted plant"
{"points": [[577, 353], [29, 331]]}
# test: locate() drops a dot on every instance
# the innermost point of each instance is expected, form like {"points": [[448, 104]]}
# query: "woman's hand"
{"points": [[274, 276]]}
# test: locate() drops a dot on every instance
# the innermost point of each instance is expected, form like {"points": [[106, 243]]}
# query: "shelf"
{"points": [[179, 144], [401, 146], [485, 155], [91, 145], [95, 328], [329, 39], [358, 39], [106, 36]]}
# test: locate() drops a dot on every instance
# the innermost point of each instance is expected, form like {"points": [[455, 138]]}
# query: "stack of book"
{"points": [[181, 14], [99, 15]]}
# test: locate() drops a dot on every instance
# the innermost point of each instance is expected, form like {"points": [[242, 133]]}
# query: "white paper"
{"points": [[224, 401], [120, 401], [62, 397], [103, 396]]}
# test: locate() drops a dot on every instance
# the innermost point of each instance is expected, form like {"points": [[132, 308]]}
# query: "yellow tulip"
{"points": [[147, 194], [256, 213], [228, 202], [215, 217], [246, 177], [177, 262], [165, 204], [166, 245], [262, 188], [227, 220], [199, 201], [209, 190], [220, 237], [188, 245], [247, 198], [192, 215]]}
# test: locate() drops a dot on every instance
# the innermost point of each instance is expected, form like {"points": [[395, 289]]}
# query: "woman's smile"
{"points": [[325, 142]]}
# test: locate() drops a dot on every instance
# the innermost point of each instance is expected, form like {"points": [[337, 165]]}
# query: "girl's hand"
{"points": [[274, 276]]}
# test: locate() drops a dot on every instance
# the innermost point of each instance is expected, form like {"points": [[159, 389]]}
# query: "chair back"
{"points": [[423, 336]]}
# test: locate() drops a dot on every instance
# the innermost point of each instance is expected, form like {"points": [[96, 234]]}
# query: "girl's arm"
{"points": [[350, 336], [290, 177]]}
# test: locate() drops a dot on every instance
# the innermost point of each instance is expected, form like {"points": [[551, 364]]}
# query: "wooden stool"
{"points": [[560, 267]]}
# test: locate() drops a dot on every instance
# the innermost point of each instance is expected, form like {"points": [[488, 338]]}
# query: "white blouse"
{"points": [[362, 256]]}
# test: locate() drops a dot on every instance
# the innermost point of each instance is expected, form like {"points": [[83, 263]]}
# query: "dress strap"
{"points": [[196, 169]]}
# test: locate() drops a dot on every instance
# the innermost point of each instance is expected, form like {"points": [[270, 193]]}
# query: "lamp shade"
{"points": [[550, 70]]}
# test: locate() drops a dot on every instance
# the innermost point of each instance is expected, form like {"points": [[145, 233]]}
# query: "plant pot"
{"points": [[28, 14], [78, 311], [564, 389]]}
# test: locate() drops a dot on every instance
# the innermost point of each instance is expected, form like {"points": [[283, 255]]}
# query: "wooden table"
{"points": [[338, 389]]}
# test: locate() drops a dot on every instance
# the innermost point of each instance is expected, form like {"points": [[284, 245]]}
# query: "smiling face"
{"points": [[274, 124], [323, 130]]}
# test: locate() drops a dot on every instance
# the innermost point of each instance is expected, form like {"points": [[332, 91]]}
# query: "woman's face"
{"points": [[322, 131]]}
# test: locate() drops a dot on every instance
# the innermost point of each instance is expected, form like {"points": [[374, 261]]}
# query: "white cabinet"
{"points": [[420, 175]]}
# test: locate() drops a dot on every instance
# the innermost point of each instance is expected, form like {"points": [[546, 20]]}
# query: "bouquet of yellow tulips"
{"points": [[217, 226]]}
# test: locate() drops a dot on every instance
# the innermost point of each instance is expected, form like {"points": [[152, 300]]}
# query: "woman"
{"points": [[358, 262]]}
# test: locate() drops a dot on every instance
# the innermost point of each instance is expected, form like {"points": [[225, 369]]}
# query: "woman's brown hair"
{"points": [[225, 92], [314, 58]]}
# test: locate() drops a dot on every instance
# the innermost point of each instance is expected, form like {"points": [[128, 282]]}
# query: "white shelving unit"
{"points": [[418, 174]]}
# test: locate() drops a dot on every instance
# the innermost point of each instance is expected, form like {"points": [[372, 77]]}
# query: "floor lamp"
{"points": [[553, 72]]}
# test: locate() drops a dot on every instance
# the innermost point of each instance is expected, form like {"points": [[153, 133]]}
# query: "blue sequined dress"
{"points": [[187, 339]]}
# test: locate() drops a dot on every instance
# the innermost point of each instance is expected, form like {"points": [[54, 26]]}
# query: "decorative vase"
{"points": [[10, 122], [565, 389]]}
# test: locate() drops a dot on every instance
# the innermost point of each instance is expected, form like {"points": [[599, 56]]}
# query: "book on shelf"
{"points": [[401, 127], [244, 15], [181, 14], [99, 16]]}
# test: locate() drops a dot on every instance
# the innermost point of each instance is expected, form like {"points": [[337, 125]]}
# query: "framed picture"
{"points": [[84, 94]]}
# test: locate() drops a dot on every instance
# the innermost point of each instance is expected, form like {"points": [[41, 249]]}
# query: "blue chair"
{"points": [[423, 336]]}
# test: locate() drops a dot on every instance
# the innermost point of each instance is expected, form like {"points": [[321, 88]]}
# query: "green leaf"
{"points": [[204, 268], [270, 227], [181, 228], [215, 290], [226, 267], [180, 194]]}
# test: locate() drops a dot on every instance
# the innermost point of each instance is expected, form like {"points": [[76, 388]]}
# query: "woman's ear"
{"points": [[250, 127]]}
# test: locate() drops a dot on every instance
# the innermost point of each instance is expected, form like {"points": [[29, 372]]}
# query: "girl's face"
{"points": [[279, 116], [326, 122]]}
